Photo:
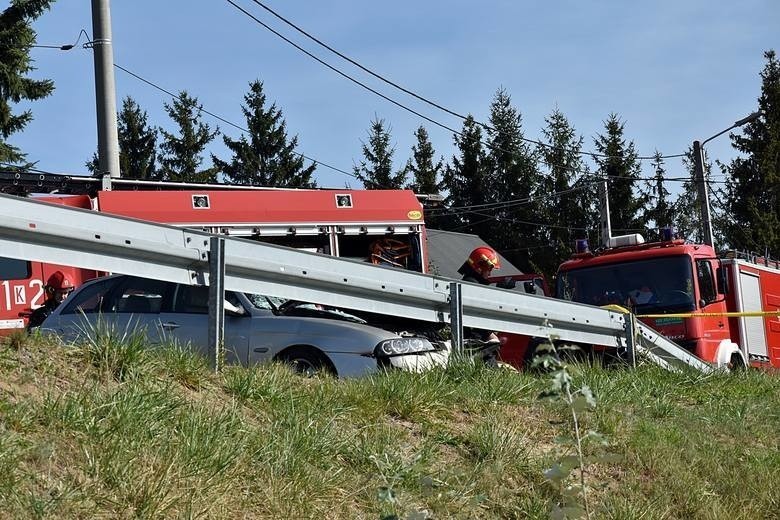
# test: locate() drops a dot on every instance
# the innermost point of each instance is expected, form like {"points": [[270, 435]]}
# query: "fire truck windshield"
{"points": [[657, 284]]}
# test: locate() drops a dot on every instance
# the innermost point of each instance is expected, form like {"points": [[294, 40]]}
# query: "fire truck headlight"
{"points": [[403, 346]]}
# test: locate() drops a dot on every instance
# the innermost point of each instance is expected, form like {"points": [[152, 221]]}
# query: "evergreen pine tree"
{"points": [[753, 188], [659, 209], [182, 153], [686, 207], [515, 231], [137, 143], [16, 38], [686, 214], [266, 158], [425, 175], [376, 169], [467, 184], [570, 213], [621, 168]]}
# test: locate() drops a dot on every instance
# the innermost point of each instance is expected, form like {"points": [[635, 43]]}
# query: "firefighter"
{"points": [[57, 288], [477, 268], [479, 265]]}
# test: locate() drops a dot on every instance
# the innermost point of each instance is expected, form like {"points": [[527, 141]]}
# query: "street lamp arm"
{"points": [[749, 119], [745, 120]]}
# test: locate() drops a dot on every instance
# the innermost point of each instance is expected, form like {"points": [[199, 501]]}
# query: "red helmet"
{"points": [[483, 260], [59, 281]]}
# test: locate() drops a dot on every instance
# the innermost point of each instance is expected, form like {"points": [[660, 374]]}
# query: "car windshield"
{"points": [[260, 301], [664, 283]]}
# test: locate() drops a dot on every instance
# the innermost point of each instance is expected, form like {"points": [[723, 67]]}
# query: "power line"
{"points": [[507, 203], [67, 47], [401, 88], [339, 72]]}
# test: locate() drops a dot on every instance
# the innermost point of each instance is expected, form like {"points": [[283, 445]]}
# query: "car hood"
{"points": [[330, 335]]}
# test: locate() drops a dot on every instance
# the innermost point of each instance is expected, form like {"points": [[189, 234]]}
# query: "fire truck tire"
{"points": [[307, 361], [730, 357], [736, 363]]}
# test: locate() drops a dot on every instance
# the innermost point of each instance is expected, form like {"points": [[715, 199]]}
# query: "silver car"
{"points": [[256, 328]]}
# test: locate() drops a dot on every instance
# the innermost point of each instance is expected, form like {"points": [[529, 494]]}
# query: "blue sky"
{"points": [[674, 71]]}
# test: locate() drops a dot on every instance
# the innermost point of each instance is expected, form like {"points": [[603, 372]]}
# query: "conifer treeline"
{"points": [[529, 200]]}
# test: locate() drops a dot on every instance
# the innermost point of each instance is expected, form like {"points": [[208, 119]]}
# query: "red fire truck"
{"points": [[381, 226], [723, 310], [22, 282]]}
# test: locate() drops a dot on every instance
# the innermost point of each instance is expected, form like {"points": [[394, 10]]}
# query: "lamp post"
{"points": [[698, 167]]}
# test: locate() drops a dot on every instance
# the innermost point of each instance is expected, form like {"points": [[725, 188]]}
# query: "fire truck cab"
{"points": [[685, 292]]}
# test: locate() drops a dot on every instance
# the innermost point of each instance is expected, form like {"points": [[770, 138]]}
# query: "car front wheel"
{"points": [[307, 361]]}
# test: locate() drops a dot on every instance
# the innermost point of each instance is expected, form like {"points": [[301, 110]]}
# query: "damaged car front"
{"points": [[351, 346]]}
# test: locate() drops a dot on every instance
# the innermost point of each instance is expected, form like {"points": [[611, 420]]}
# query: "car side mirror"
{"points": [[234, 310], [722, 280]]}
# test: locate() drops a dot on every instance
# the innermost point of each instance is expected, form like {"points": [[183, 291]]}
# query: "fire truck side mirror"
{"points": [[723, 282]]}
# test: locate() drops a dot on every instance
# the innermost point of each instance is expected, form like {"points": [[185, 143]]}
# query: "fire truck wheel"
{"points": [[736, 363], [307, 361]]}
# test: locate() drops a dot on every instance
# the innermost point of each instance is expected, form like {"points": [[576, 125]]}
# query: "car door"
{"points": [[136, 304], [188, 322]]}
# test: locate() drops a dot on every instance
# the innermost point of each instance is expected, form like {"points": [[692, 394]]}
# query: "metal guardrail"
{"points": [[71, 236]]}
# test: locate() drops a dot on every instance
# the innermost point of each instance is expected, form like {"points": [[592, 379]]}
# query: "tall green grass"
{"points": [[112, 430]]}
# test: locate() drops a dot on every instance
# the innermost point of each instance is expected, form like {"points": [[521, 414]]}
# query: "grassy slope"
{"points": [[156, 435]]}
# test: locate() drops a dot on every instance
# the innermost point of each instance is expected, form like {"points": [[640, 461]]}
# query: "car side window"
{"points": [[191, 299], [88, 300], [139, 296]]}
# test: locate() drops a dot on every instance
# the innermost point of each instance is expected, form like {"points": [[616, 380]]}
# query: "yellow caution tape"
{"points": [[748, 314], [616, 307]]}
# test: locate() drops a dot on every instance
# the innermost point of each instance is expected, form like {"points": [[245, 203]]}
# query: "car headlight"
{"points": [[402, 346]]}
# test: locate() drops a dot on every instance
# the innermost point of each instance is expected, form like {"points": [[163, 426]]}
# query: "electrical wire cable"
{"points": [[66, 47], [339, 72], [403, 89]]}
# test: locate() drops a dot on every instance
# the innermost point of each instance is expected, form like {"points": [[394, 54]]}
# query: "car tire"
{"points": [[307, 361]]}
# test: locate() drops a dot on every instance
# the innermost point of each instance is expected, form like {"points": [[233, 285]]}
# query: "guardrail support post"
{"points": [[456, 317], [216, 301], [630, 339]]}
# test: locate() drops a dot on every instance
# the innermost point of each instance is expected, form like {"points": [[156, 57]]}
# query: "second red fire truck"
{"points": [[723, 310]]}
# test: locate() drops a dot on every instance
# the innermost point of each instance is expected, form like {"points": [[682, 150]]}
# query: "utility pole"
{"points": [[704, 201], [701, 182], [105, 90], [606, 225]]}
